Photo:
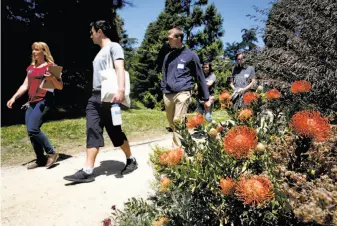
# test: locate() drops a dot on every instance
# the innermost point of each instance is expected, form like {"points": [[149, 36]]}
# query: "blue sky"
{"points": [[234, 12]]}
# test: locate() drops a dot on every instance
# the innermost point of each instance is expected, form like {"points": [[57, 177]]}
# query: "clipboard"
{"points": [[56, 72]]}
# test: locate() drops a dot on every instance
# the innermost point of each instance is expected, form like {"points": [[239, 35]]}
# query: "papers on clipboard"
{"points": [[56, 72]]}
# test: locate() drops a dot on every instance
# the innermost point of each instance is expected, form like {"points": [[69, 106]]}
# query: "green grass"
{"points": [[220, 115], [69, 136]]}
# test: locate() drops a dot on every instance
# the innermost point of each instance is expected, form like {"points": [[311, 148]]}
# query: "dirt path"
{"points": [[42, 197]]}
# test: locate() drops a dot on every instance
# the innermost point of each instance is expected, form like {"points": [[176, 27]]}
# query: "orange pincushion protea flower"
{"points": [[172, 157], [225, 96], [301, 86], [175, 156], [273, 94], [163, 158], [227, 186], [164, 184], [250, 97], [311, 124], [199, 119], [257, 190], [245, 114], [160, 222], [195, 121], [240, 142]]}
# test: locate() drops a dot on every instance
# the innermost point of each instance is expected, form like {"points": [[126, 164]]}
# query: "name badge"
{"points": [[180, 66], [246, 75]]}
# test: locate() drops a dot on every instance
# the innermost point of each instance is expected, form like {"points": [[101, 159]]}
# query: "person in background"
{"points": [[242, 80], [39, 103], [210, 81]]}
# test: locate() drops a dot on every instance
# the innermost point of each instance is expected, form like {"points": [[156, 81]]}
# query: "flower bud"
{"points": [[260, 147], [213, 132]]}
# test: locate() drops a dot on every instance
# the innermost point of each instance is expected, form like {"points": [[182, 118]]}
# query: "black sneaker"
{"points": [[80, 177], [169, 129], [131, 165]]}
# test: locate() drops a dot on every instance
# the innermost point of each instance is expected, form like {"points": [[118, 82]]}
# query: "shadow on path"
{"points": [[107, 168]]}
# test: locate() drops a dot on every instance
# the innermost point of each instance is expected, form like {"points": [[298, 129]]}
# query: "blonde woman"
{"points": [[39, 103]]}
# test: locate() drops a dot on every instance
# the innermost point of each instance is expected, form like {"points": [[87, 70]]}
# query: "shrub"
{"points": [[273, 168]]}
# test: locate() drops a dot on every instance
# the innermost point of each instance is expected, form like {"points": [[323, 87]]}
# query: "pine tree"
{"points": [[249, 37], [301, 44], [208, 43]]}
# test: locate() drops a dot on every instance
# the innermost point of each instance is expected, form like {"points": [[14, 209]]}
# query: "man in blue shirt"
{"points": [[180, 66]]}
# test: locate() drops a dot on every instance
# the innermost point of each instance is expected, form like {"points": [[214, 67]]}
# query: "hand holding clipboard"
{"points": [[55, 71]]}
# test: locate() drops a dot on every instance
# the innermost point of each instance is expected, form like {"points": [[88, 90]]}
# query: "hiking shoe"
{"points": [[169, 129], [80, 177], [34, 165], [52, 158], [131, 165]]}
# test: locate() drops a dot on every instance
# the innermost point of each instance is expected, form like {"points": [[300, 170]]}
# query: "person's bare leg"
{"points": [[91, 157], [126, 149]]}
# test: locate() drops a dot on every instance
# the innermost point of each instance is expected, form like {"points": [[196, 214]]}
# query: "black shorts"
{"points": [[98, 116]]}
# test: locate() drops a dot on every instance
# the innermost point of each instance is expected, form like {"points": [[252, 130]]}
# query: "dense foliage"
{"points": [[301, 43]]}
